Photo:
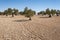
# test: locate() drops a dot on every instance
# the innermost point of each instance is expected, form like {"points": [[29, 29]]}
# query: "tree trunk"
{"points": [[6, 14], [30, 18], [57, 14], [50, 15], [12, 15]]}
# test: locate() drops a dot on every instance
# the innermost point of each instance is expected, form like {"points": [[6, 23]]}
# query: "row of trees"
{"points": [[27, 12], [9, 11], [50, 12]]}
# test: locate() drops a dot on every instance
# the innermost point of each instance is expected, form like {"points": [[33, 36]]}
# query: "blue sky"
{"points": [[36, 5]]}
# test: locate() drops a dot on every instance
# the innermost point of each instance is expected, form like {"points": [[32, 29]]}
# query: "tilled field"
{"points": [[20, 28]]}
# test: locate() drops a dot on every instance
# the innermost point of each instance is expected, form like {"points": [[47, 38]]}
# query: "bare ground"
{"points": [[20, 28]]}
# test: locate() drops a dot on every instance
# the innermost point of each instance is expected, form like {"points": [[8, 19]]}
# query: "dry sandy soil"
{"points": [[20, 28]]}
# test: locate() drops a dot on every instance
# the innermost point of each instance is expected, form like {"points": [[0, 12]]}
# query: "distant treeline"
{"points": [[29, 12], [50, 12]]}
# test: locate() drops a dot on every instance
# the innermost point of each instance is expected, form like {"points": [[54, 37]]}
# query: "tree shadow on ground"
{"points": [[21, 20], [44, 17]]}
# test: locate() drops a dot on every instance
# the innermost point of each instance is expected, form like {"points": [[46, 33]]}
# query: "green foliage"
{"points": [[42, 12], [29, 13], [34, 12], [21, 13], [25, 10], [6, 12], [58, 12], [15, 11], [48, 11], [1, 13], [9, 11], [53, 11]]}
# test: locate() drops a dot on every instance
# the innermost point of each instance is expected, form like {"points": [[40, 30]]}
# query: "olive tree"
{"points": [[48, 12], [29, 14], [15, 11], [6, 12], [57, 12]]}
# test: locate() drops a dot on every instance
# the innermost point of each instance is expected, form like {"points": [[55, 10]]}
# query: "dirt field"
{"points": [[20, 28]]}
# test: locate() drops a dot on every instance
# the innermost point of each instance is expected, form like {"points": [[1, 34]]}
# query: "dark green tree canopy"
{"points": [[53, 11], [25, 10], [9, 11], [29, 13], [48, 11], [15, 11]]}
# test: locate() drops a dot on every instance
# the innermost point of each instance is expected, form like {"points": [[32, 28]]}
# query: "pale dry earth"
{"points": [[20, 28]]}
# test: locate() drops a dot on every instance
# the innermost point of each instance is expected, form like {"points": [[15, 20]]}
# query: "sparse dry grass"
{"points": [[19, 28]]}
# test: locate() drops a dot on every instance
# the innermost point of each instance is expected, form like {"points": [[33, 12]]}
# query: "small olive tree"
{"points": [[53, 12], [48, 12], [15, 11], [6, 12], [57, 12], [9, 11], [29, 14]]}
